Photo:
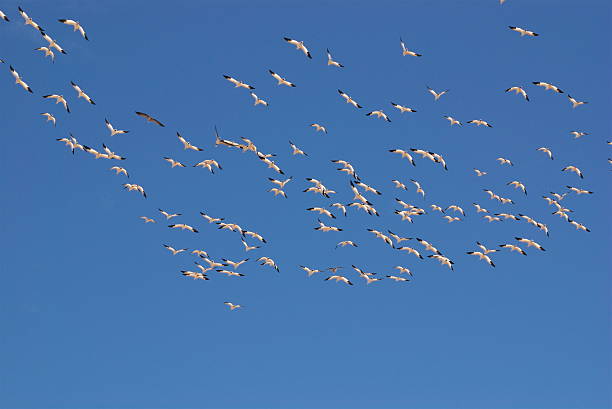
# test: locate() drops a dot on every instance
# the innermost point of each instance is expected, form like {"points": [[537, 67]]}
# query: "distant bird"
{"points": [[318, 127], [518, 90], [76, 26], [138, 188], [173, 250], [348, 99], [323, 227], [402, 108], [277, 192], [20, 81], [437, 95], [456, 209], [169, 215], [404, 154], [296, 150], [195, 275], [574, 169], [479, 172], [173, 162], [258, 101], [445, 261], [232, 306], [48, 52], [147, 219], [397, 278], [480, 209], [517, 185], [113, 130], [576, 103], [451, 219], [237, 83], [484, 249], [321, 210], [379, 114], [28, 20], [548, 86], [120, 170], [399, 184], [406, 51], [479, 122], [58, 99], [546, 151], [149, 118], [81, 94], [49, 117], [267, 261], [578, 225], [504, 161], [530, 243], [340, 206], [281, 80], [330, 60], [523, 32], [3, 16], [310, 271], [512, 247], [183, 226], [418, 186], [482, 256], [52, 42], [247, 247], [187, 144], [298, 45], [339, 278], [452, 120], [404, 270], [346, 243], [234, 264], [578, 134], [491, 218], [579, 191], [208, 164]]}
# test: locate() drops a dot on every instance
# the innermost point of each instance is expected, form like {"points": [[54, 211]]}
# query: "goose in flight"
{"points": [[147, 219], [48, 52], [173, 250], [255, 235], [382, 236], [81, 94], [349, 100], [504, 161], [340, 206], [310, 271], [484, 249], [113, 130], [397, 278], [530, 243], [58, 99], [452, 120], [232, 306], [404, 270], [76, 26], [410, 250], [512, 248], [574, 169], [479, 172], [368, 188], [277, 192], [318, 128], [339, 278], [296, 150], [208, 164], [578, 225], [399, 184], [52, 43], [169, 215], [437, 95], [20, 81], [234, 264], [436, 208], [406, 51], [133, 186], [451, 219], [72, 143], [579, 191], [546, 151], [479, 122], [3, 16], [173, 162], [237, 83], [120, 170], [482, 256], [445, 261], [321, 210], [548, 86], [491, 218], [480, 209], [212, 263], [424, 154], [28, 20], [281, 80], [518, 90], [201, 254], [258, 101], [379, 114], [428, 246], [323, 227], [267, 261], [95, 153], [49, 117], [330, 60], [183, 226], [211, 219], [346, 243], [523, 32], [402, 108], [506, 216], [518, 185], [149, 118], [578, 134], [299, 45], [187, 144], [456, 209], [280, 183], [230, 273], [195, 275], [418, 186], [574, 102], [247, 247], [404, 154]]}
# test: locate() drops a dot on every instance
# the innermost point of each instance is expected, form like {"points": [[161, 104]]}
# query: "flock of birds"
{"points": [[362, 194]]}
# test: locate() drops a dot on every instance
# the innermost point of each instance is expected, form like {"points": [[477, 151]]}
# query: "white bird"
{"points": [[456, 209], [404, 270], [147, 219], [310, 271], [237, 83], [211, 219], [484, 249], [382, 236], [234, 264], [406, 51], [479, 122], [321, 210], [76, 26], [187, 144], [112, 129], [296, 150], [404, 154], [247, 247], [169, 215], [267, 261], [579, 191], [578, 134], [379, 114], [574, 169], [512, 247], [183, 226], [52, 42], [258, 101], [120, 170], [523, 32], [479, 172], [402, 108], [530, 243], [491, 218], [518, 90], [435, 94], [318, 127], [548, 86], [3, 16], [58, 99], [399, 184], [173, 162], [346, 243], [574, 102], [348, 99], [339, 278], [578, 226], [82, 94], [504, 161], [445, 261], [200, 253], [298, 45], [96, 154], [195, 275], [323, 227], [49, 117], [28, 20], [410, 250], [482, 256], [452, 120], [173, 250], [340, 206], [280, 183], [48, 52], [397, 278], [428, 246], [546, 151], [517, 185], [208, 164], [232, 306], [480, 209], [330, 60], [281, 80], [418, 186], [277, 192], [507, 216], [451, 219], [230, 273], [20, 81], [255, 235]]}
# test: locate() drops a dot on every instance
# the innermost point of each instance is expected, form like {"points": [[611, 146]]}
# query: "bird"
{"points": [[482, 256], [346, 243], [504, 161], [3, 16], [247, 247], [258, 101], [484, 249], [404, 154], [480, 209], [546, 151], [579, 191], [58, 99], [530, 243], [147, 219], [298, 45], [402, 108], [119, 170], [232, 306], [405, 51], [397, 278], [48, 52], [173, 162], [451, 219], [296, 150], [20, 81], [456, 209], [382, 236], [452, 120], [208, 164], [404, 270], [49, 117], [518, 185], [512, 247], [399, 184], [578, 134], [310, 271], [574, 169], [348, 99], [277, 192], [76, 26], [574, 102], [339, 278], [81, 94], [330, 60], [281, 80], [340, 206], [28, 20], [379, 114], [169, 215], [437, 95], [479, 122], [255, 235], [183, 226], [149, 118], [523, 32], [418, 186], [52, 43], [267, 261], [113, 130], [237, 83], [318, 127], [578, 225], [195, 275], [491, 218], [173, 250], [321, 210], [234, 264], [280, 183], [548, 86], [323, 227], [445, 261], [506, 216], [410, 250], [518, 90], [479, 172]]}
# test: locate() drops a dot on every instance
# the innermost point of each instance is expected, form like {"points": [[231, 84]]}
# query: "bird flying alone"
{"points": [[402, 108], [330, 60], [19, 81], [49, 117], [479, 122], [81, 94], [406, 51], [576, 103], [523, 32], [435, 94], [58, 99], [149, 118], [298, 45], [3, 16], [281, 80], [76, 26]]}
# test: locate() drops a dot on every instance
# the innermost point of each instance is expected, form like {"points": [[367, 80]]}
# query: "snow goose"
{"points": [[277, 192], [548, 86], [28, 20], [330, 60], [173, 162], [258, 101], [349, 100], [402, 108], [147, 219], [298, 45], [52, 42], [237, 83], [20, 81], [281, 80], [479, 122], [523, 32], [546, 151], [169, 215], [49, 117], [75, 25], [296, 150], [482, 256], [339, 278], [48, 52], [437, 95], [530, 243], [576, 103], [479, 172], [406, 51], [232, 306], [183, 226], [574, 169], [452, 120], [187, 144], [380, 114], [404, 154], [512, 248], [173, 250], [318, 128], [120, 170], [518, 90]]}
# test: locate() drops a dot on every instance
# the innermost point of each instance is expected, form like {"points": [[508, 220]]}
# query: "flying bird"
{"points": [[183, 226], [452, 120], [147, 219], [402, 108], [436, 95], [298, 45], [546, 151], [20, 81], [237, 83], [49, 117], [258, 101], [548, 86], [120, 170], [81, 94], [379, 114], [318, 128], [3, 16], [330, 60], [523, 32], [406, 51], [149, 118], [574, 169], [232, 306], [76, 26], [576, 103], [52, 43], [112, 129], [348, 99], [58, 99], [479, 122], [518, 90], [28, 20], [48, 52], [281, 80], [173, 250]]}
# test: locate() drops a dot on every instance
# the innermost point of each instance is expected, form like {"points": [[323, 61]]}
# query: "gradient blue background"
{"points": [[94, 311]]}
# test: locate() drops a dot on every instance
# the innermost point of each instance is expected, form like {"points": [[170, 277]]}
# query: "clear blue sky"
{"points": [[95, 313]]}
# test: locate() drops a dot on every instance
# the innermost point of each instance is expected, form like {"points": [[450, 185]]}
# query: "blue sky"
{"points": [[94, 310]]}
